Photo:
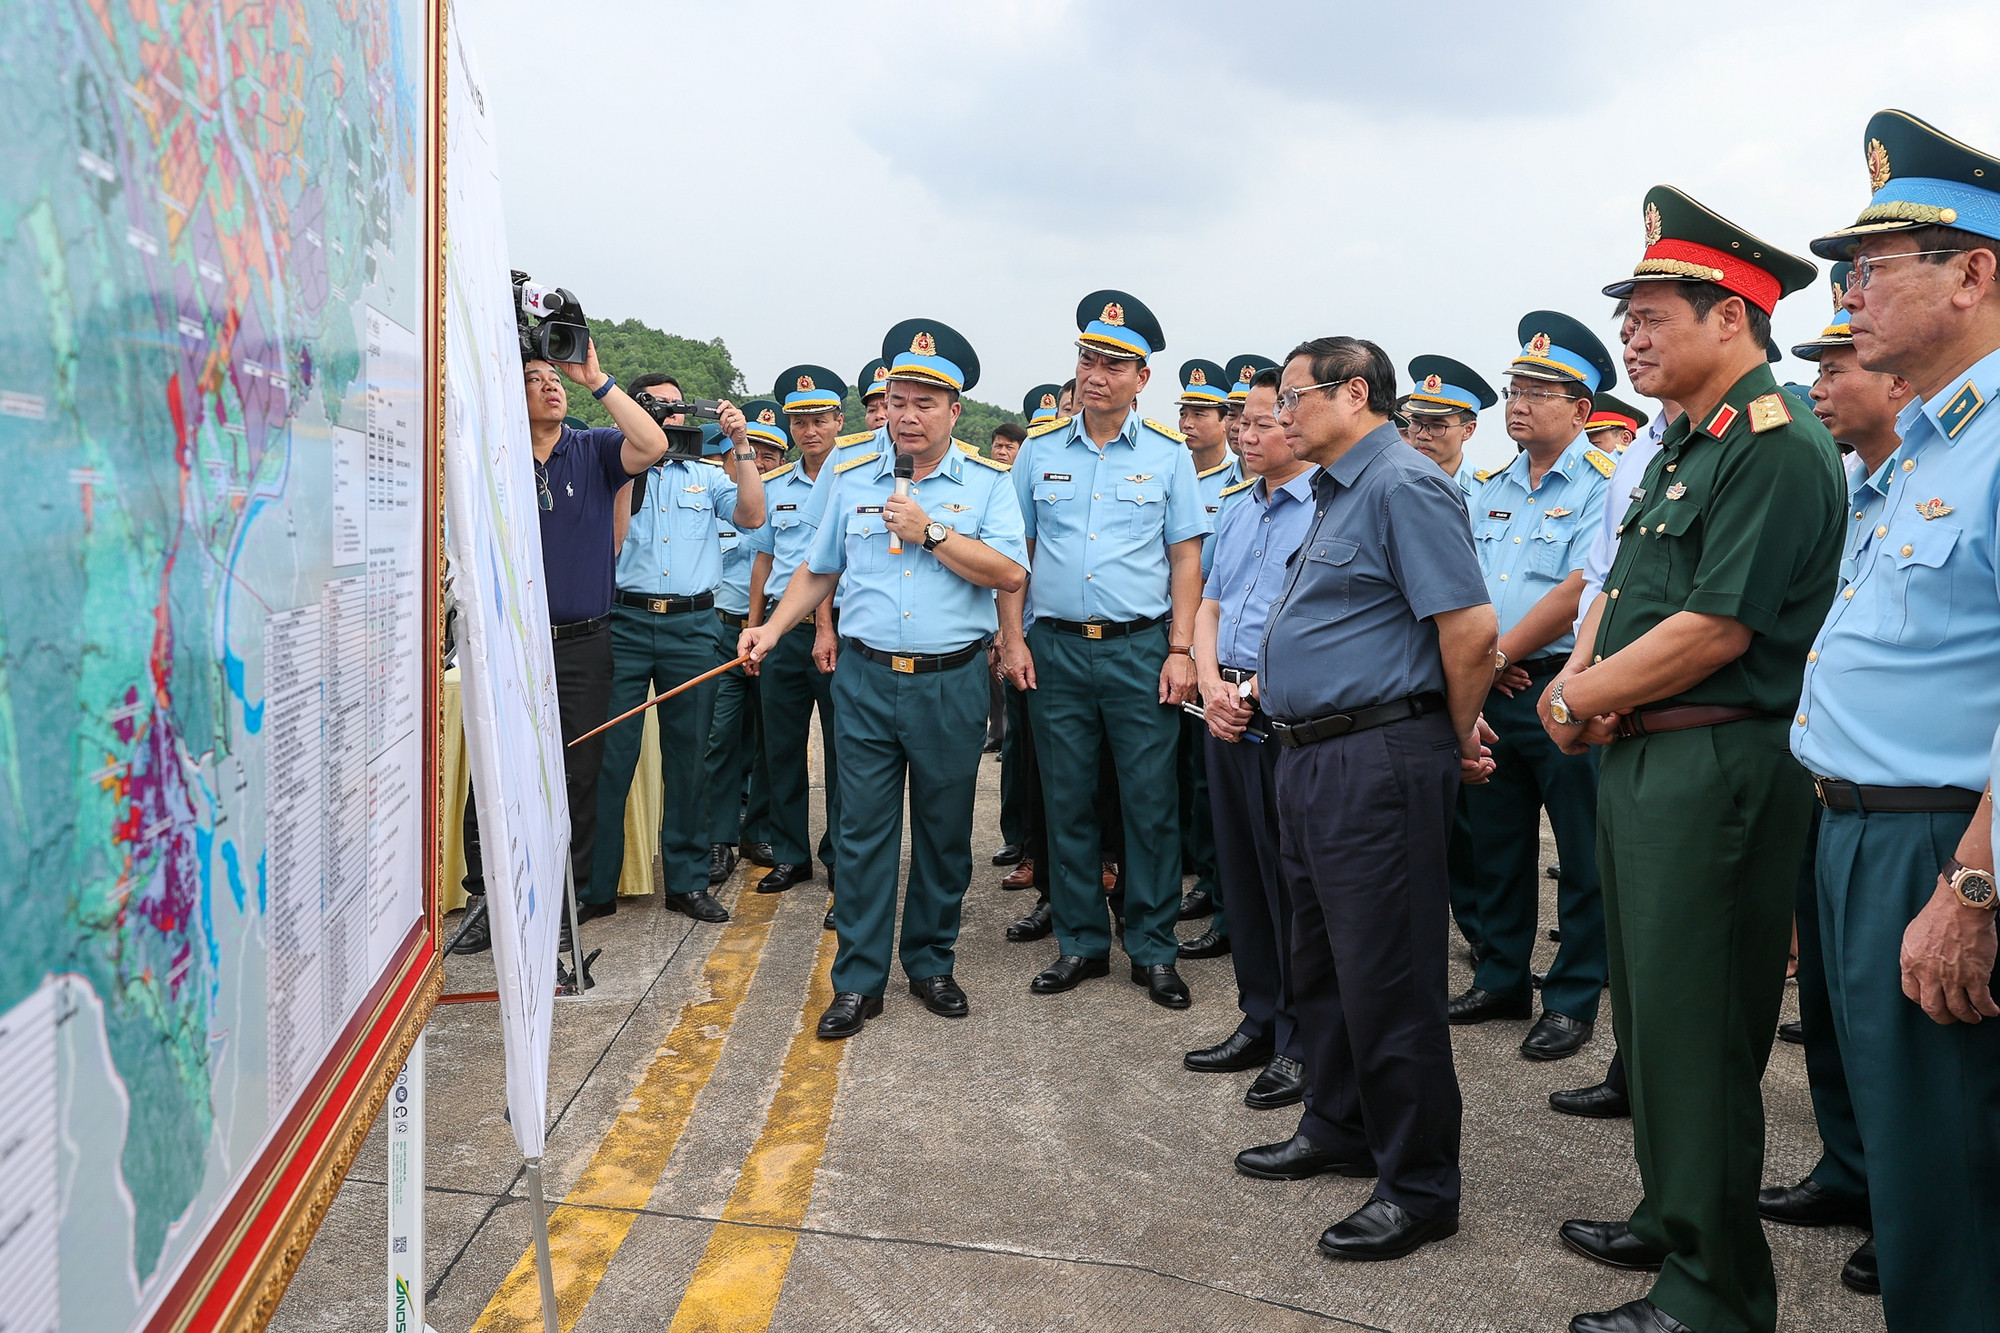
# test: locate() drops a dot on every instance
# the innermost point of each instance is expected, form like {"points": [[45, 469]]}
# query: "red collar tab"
{"points": [[1719, 424]]}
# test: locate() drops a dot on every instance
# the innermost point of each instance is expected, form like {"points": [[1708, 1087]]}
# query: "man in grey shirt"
{"points": [[1374, 663]]}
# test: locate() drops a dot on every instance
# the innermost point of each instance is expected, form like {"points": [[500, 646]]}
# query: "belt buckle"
{"points": [[1092, 631], [1819, 789], [658, 606], [906, 665]]}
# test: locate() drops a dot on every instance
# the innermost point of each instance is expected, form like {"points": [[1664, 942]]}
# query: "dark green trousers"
{"points": [[738, 811], [1699, 836], [650, 653], [1197, 818], [1531, 775], [1926, 1095], [1842, 1169], [1090, 691], [790, 686], [925, 732]]}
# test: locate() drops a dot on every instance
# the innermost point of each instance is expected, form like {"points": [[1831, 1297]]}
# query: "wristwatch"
{"points": [[934, 535], [1499, 661], [1558, 709], [1975, 888]]}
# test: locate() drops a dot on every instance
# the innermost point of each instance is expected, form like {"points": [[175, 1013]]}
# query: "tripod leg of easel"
{"points": [[544, 1268], [575, 926]]}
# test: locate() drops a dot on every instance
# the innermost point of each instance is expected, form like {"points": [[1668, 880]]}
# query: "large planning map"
{"points": [[212, 601]]}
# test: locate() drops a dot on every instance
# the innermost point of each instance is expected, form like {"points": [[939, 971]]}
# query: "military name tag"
{"points": [[1056, 476], [1212, 508], [783, 508], [868, 509], [1638, 494], [1501, 514]]}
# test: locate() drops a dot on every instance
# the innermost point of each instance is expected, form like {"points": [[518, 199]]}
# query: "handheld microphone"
{"points": [[906, 467]]}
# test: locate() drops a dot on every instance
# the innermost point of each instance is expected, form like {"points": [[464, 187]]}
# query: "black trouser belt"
{"points": [[1540, 668], [1235, 675], [576, 629], [731, 619], [666, 606], [771, 604], [1836, 794], [918, 663], [1100, 629], [1294, 734]]}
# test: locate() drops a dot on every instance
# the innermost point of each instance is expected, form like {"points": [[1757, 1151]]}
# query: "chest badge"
{"points": [[1140, 476], [1560, 512], [1676, 491], [955, 509], [1933, 508], [694, 489]]}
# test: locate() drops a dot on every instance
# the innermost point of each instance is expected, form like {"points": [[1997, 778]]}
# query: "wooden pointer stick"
{"points": [[662, 698]]}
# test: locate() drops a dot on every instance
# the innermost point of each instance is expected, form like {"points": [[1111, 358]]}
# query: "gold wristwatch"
{"points": [[1558, 709], [1975, 888], [1499, 661]]}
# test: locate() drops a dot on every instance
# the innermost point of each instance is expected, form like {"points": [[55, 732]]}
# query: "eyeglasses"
{"points": [[1864, 268], [1288, 400], [547, 498], [1426, 427], [1532, 395]]}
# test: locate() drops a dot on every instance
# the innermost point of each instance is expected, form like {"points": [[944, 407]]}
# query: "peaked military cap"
{"points": [[1921, 177], [927, 352], [1118, 324], [809, 389], [763, 420], [1039, 403], [873, 379], [1241, 370], [1558, 348], [1203, 384], [1441, 385], [1607, 411], [1837, 333], [1689, 242]]}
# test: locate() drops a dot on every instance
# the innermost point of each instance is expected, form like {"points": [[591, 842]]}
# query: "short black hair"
{"points": [[1267, 378], [1069, 386], [1703, 297], [1949, 238], [1010, 432], [1340, 359], [651, 380]]}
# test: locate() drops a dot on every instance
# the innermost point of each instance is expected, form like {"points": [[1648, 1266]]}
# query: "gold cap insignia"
{"points": [[924, 345], [1839, 296], [767, 418], [1933, 508], [1539, 345], [1432, 383], [1653, 231], [1048, 400], [1878, 165], [881, 373], [1197, 376], [805, 383], [1245, 375], [1114, 315]]}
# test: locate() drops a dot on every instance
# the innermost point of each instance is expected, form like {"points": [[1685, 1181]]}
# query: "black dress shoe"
{"points": [[1034, 925], [1555, 932], [1208, 944], [1199, 902], [592, 911], [941, 996], [1379, 1229], [1283, 1083], [1010, 853], [1793, 1032], [721, 862], [1297, 1159], [1164, 986], [760, 854], [827, 922], [1807, 1204], [1641, 1316], [1538, 979], [784, 875], [1067, 973], [1477, 1006], [700, 905], [1599, 1101], [1860, 1273], [1611, 1244], [1227, 1057], [1555, 1037], [1554, 872], [478, 936], [844, 1017]]}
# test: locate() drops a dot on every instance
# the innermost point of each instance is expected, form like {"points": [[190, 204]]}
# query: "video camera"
{"points": [[550, 321], [683, 441]]}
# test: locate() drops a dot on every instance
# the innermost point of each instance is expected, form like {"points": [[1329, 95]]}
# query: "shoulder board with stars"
{"points": [[1600, 460], [1769, 413], [1482, 474], [1243, 485], [967, 449], [973, 456], [1718, 425], [1217, 468], [849, 441], [855, 462], [778, 472], [1167, 431], [1048, 426]]}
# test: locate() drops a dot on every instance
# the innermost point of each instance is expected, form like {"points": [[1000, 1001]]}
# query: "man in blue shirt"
{"points": [[578, 476], [1114, 520], [1263, 522], [664, 631], [1901, 691], [1532, 524], [1375, 659], [920, 556]]}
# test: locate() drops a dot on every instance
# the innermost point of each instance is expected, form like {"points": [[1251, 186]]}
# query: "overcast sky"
{"points": [[796, 177]]}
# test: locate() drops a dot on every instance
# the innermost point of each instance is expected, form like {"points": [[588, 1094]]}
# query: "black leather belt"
{"points": [[1294, 734], [731, 619], [1541, 668], [1100, 629], [916, 664], [667, 606], [771, 604], [1235, 675], [576, 629], [1836, 794]]}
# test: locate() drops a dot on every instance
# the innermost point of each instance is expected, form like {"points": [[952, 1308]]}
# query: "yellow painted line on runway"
{"points": [[736, 1285], [588, 1226]]}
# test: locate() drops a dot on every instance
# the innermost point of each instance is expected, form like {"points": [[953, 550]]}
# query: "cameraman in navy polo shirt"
{"points": [[578, 475]]}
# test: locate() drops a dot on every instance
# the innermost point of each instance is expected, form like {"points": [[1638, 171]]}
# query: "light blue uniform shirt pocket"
{"points": [[1143, 504], [1916, 590], [867, 543]]}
